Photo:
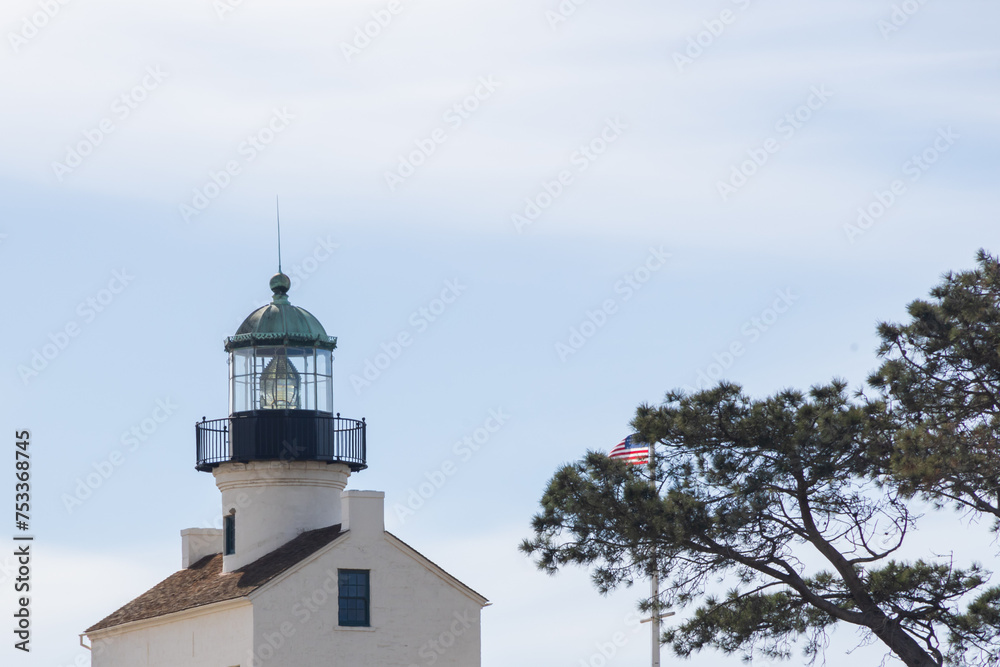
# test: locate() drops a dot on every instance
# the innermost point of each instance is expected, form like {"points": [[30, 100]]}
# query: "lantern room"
{"points": [[280, 358], [281, 392]]}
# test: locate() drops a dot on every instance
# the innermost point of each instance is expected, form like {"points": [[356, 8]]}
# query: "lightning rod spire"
{"points": [[277, 208]]}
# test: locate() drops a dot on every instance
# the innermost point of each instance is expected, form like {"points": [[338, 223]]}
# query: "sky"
{"points": [[612, 195]]}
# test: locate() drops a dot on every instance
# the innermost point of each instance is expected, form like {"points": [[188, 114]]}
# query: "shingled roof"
{"points": [[204, 583]]}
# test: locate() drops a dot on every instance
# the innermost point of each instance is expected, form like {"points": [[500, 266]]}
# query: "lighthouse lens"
{"points": [[279, 385]]}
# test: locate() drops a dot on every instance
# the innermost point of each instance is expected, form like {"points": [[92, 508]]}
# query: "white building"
{"points": [[303, 572]]}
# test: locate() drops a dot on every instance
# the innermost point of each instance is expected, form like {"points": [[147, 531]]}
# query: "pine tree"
{"points": [[751, 491], [941, 374]]}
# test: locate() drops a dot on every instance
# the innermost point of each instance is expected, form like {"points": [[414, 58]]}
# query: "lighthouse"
{"points": [[302, 570]]}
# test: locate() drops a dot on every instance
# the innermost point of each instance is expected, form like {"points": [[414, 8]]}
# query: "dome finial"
{"points": [[280, 284]]}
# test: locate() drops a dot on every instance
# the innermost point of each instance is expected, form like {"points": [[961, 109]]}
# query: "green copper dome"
{"points": [[281, 323]]}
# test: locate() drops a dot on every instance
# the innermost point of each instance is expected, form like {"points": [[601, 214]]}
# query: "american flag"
{"points": [[631, 450]]}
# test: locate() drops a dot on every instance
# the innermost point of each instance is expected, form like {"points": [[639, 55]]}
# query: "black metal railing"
{"points": [[281, 435]]}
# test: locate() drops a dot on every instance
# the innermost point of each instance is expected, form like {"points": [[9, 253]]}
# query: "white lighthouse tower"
{"points": [[302, 571]]}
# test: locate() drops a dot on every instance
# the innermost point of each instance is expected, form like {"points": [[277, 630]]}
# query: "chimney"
{"points": [[363, 512], [196, 543]]}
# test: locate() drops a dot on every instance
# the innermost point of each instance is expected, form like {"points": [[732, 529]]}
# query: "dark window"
{"points": [[355, 597], [229, 529]]}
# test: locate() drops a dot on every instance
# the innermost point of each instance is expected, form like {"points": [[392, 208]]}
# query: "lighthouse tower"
{"points": [[282, 457]]}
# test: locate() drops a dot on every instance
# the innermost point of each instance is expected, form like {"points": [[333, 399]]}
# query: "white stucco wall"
{"points": [[221, 638], [417, 617]]}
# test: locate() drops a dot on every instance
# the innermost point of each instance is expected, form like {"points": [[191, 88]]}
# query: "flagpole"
{"points": [[655, 579], [656, 621]]}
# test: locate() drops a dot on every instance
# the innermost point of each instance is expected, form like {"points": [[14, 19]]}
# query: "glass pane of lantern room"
{"points": [[324, 394], [301, 360], [307, 368], [241, 381], [324, 362], [324, 380]]}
